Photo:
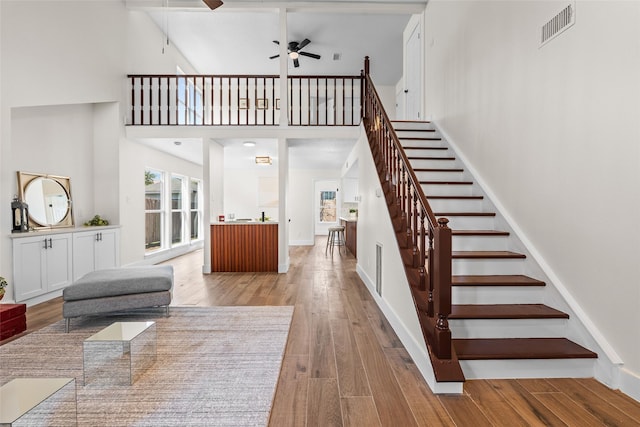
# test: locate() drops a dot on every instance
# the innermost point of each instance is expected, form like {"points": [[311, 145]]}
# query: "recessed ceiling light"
{"points": [[249, 144], [337, 56]]}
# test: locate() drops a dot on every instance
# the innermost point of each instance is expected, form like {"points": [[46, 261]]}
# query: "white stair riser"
{"points": [[508, 328], [469, 222], [428, 153], [441, 176], [497, 294], [447, 190], [417, 134], [456, 205], [487, 266], [412, 144], [413, 125], [480, 243], [433, 164], [529, 368]]}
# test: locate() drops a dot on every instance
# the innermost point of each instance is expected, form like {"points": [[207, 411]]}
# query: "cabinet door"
{"points": [[350, 190], [29, 268], [83, 253], [58, 262], [107, 250]]}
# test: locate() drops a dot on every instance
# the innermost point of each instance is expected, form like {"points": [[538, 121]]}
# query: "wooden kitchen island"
{"points": [[244, 246]]}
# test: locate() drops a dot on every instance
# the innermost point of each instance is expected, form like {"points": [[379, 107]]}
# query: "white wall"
{"points": [[57, 141], [241, 195], [72, 57], [553, 132]]}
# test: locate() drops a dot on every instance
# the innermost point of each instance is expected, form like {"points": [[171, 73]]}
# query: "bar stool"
{"points": [[335, 238]]}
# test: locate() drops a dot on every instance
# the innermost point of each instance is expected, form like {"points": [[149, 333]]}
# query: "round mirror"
{"points": [[48, 201]]}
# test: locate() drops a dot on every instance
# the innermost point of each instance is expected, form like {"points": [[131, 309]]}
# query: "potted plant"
{"points": [[353, 213], [3, 284]]}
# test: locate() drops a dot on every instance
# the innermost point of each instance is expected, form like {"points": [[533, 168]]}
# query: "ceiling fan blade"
{"points": [[303, 43], [274, 56], [276, 42], [310, 55], [213, 4], [296, 63]]}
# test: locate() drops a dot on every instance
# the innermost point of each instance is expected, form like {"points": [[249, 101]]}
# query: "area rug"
{"points": [[216, 366]]}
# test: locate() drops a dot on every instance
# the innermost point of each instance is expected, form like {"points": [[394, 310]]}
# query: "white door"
{"points": [[413, 77], [326, 206]]}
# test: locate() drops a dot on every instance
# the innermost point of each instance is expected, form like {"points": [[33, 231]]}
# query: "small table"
{"points": [[120, 353], [38, 401]]}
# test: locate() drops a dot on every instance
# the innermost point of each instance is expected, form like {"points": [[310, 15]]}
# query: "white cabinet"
{"points": [[48, 261], [95, 250], [41, 264], [350, 190]]}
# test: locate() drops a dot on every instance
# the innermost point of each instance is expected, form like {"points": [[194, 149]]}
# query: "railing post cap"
{"points": [[442, 222]]}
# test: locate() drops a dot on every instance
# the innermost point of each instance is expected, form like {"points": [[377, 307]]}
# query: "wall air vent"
{"points": [[337, 56], [558, 24], [379, 269]]}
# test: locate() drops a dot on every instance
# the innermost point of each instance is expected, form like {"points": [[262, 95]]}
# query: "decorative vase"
{"points": [[1, 294]]}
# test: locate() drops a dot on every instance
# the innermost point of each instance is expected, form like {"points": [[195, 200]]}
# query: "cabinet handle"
{"points": [[97, 237], [45, 244], [50, 243], [100, 236]]}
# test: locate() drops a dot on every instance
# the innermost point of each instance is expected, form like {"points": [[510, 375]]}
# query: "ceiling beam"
{"points": [[389, 7]]}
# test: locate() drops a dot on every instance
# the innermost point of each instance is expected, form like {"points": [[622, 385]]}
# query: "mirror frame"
{"points": [[25, 178]]}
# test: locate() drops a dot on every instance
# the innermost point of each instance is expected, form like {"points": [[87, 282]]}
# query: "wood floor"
{"points": [[344, 366]]}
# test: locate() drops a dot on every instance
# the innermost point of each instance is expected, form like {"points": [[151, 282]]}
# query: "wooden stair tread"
{"points": [[456, 197], [426, 122], [413, 130], [520, 348], [438, 170], [419, 138], [429, 158], [495, 280], [425, 148], [505, 311], [447, 182], [464, 213], [486, 255], [468, 233]]}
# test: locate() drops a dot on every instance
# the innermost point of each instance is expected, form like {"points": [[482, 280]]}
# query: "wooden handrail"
{"points": [[428, 237]]}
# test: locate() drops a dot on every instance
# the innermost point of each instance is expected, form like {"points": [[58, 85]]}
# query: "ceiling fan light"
{"points": [[213, 4], [294, 55]]}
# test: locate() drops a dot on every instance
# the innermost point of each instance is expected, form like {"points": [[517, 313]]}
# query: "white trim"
{"points": [[630, 383], [416, 350], [304, 242]]}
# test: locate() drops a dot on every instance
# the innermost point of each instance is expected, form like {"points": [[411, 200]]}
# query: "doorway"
{"points": [[413, 77], [326, 206]]}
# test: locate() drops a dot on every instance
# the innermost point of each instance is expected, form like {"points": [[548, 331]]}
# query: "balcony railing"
{"points": [[243, 100]]}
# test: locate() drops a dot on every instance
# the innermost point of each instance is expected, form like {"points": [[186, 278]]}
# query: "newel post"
{"points": [[442, 288]]}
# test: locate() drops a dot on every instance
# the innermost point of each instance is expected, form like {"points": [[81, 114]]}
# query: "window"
{"points": [[154, 215], [189, 101], [328, 206], [195, 213], [177, 210]]}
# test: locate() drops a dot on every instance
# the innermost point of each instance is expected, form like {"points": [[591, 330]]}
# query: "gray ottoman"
{"points": [[118, 289]]}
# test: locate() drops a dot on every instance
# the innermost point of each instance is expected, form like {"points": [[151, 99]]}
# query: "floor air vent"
{"points": [[559, 23], [379, 269]]}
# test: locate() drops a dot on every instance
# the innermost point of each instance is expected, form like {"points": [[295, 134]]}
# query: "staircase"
{"points": [[499, 325]]}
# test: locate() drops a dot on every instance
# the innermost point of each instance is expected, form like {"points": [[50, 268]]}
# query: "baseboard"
{"points": [[416, 350], [630, 384], [167, 254], [309, 242]]}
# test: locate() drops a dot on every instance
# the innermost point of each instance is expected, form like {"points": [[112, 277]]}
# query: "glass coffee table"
{"points": [[120, 353], [38, 402]]}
